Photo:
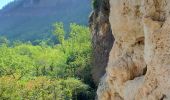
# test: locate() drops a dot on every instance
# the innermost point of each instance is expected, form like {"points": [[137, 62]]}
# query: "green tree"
{"points": [[59, 32], [4, 40]]}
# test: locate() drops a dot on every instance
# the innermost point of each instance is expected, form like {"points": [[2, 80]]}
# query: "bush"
{"points": [[42, 88]]}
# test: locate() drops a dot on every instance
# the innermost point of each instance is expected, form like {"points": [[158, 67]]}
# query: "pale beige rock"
{"points": [[103, 91], [131, 88], [141, 29]]}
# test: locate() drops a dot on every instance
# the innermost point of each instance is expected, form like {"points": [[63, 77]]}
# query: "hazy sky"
{"points": [[4, 2]]}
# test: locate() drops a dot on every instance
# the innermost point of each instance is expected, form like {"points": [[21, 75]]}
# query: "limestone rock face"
{"points": [[139, 61]]}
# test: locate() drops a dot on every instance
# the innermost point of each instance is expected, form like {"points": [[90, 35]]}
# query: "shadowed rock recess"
{"points": [[102, 38], [139, 61]]}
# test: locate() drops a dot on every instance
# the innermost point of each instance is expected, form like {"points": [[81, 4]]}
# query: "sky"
{"points": [[4, 2]]}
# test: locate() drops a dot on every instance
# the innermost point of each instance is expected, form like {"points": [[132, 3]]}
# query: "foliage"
{"points": [[58, 72], [94, 3], [41, 88], [59, 32]]}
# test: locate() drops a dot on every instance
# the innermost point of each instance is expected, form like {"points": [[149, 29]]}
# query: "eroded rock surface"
{"points": [[139, 61]]}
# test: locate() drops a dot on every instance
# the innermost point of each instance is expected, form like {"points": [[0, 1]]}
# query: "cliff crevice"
{"points": [[102, 38]]}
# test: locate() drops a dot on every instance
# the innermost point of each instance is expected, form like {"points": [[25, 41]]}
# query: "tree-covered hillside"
{"points": [[32, 19], [43, 72]]}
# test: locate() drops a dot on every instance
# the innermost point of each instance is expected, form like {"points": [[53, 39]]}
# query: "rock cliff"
{"points": [[139, 61]]}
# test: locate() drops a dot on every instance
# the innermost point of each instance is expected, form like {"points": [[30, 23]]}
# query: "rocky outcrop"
{"points": [[139, 64], [101, 36]]}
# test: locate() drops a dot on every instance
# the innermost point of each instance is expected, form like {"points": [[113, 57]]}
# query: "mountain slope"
{"points": [[33, 19]]}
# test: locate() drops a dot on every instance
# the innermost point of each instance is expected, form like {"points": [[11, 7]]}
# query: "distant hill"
{"points": [[32, 19]]}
